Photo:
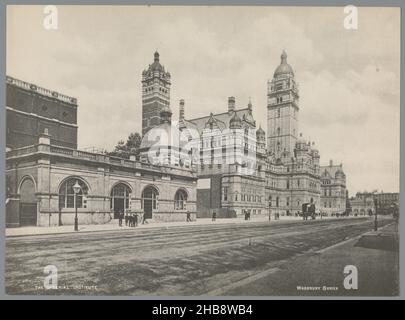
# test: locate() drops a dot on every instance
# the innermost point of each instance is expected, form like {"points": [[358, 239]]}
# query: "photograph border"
{"points": [[328, 3]]}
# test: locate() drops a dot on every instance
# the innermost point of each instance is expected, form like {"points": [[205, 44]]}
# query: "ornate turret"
{"points": [[235, 122], [155, 93], [284, 68], [260, 140]]}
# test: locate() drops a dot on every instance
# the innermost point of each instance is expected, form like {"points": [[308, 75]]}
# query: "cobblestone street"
{"points": [[194, 260]]}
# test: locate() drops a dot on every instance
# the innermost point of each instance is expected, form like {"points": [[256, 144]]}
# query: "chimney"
{"points": [[181, 110], [231, 104], [330, 163]]}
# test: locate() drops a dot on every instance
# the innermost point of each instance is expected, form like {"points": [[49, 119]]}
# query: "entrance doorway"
{"points": [[120, 195], [149, 201], [28, 203]]}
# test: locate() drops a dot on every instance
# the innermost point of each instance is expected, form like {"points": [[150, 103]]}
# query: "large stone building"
{"points": [[333, 189], [220, 162], [236, 170], [43, 164]]}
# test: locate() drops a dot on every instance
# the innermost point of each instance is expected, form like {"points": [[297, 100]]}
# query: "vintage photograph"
{"points": [[202, 150]]}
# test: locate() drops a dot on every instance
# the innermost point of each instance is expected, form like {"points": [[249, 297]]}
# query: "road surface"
{"points": [[193, 260]]}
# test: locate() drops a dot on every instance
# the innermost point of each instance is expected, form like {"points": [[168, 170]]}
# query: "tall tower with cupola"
{"points": [[155, 94], [282, 110]]}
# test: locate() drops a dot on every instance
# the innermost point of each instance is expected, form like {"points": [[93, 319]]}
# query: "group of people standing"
{"points": [[130, 218]]}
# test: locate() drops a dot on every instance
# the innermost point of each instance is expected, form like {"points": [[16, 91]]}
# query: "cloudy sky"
{"points": [[349, 79]]}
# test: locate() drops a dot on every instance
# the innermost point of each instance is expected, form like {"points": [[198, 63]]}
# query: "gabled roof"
{"points": [[222, 120], [330, 170]]}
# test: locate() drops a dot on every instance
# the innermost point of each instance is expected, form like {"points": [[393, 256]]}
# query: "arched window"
{"points": [[120, 196], [180, 200], [67, 195], [27, 191]]}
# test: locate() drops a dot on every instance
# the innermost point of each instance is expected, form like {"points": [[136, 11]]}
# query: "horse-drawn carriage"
{"points": [[308, 210]]}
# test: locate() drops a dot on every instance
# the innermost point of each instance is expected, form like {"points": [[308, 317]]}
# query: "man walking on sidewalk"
{"points": [[120, 216]]}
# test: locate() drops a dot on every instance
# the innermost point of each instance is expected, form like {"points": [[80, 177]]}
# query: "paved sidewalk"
{"points": [[321, 273], [113, 225]]}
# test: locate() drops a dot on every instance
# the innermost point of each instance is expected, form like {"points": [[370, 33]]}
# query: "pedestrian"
{"points": [[188, 216], [126, 218], [214, 216], [131, 220], [120, 214], [135, 218]]}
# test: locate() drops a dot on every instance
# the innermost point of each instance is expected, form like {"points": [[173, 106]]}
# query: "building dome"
{"points": [[235, 122], [260, 132], [156, 66], [301, 144], [339, 174], [284, 68]]}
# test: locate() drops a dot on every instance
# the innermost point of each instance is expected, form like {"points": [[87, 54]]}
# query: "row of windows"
{"points": [[120, 196], [151, 89], [241, 197], [329, 204]]}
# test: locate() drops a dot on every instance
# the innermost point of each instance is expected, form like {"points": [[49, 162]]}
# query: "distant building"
{"points": [[333, 189], [362, 204], [386, 201]]}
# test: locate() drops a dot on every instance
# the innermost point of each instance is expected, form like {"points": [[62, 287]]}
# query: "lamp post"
{"points": [[375, 215], [76, 190]]}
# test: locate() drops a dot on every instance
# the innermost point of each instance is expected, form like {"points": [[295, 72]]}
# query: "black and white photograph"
{"points": [[202, 151]]}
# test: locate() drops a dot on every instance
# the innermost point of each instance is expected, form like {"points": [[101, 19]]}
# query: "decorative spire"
{"points": [[284, 57], [156, 56], [250, 104]]}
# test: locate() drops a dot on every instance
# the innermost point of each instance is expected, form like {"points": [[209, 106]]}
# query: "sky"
{"points": [[349, 79]]}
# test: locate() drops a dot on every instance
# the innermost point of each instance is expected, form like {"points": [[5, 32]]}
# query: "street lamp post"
{"points": [[76, 190], [375, 215]]}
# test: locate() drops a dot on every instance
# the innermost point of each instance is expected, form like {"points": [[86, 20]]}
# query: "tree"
{"points": [[130, 147]]}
